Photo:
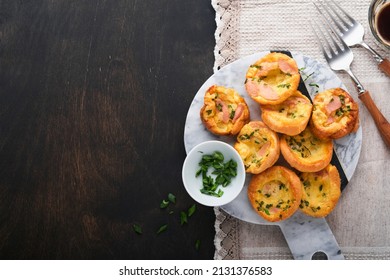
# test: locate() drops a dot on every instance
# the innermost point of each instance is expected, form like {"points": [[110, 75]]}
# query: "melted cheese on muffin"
{"points": [[335, 114], [289, 117], [258, 147], [305, 152], [321, 191], [275, 194], [224, 111], [272, 79]]}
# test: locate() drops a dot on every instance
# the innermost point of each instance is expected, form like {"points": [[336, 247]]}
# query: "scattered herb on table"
{"points": [[183, 218], [172, 198], [223, 171], [197, 244], [164, 204], [191, 210], [185, 215], [162, 229], [137, 229]]}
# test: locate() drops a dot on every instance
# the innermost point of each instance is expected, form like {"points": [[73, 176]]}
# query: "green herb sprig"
{"points": [[305, 77]]}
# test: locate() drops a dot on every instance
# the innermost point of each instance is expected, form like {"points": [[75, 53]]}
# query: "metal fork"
{"points": [[339, 57], [351, 31]]}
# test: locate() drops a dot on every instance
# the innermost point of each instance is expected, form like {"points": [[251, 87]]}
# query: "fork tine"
{"points": [[321, 40], [317, 36], [334, 42], [334, 36], [344, 12], [336, 22], [346, 24]]}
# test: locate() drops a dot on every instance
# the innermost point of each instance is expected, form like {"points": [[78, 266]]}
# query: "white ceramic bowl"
{"points": [[194, 184]]}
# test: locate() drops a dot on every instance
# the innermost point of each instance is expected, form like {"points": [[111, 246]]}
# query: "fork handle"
{"points": [[381, 123], [385, 66]]}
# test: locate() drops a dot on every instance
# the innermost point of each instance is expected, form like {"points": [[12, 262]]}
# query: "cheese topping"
{"points": [[274, 196], [306, 146], [321, 191]]}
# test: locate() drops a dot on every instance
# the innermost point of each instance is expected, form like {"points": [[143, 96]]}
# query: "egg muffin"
{"points": [[289, 117], [258, 147], [272, 79], [335, 114], [321, 191], [305, 152], [275, 194], [224, 111]]}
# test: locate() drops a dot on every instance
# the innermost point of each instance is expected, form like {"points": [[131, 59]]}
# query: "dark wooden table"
{"points": [[93, 100]]}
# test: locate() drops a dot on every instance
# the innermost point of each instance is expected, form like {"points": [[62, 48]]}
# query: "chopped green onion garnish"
{"points": [[162, 229], [223, 171], [137, 229]]}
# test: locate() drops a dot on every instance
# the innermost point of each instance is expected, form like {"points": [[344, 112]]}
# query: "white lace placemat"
{"points": [[361, 220]]}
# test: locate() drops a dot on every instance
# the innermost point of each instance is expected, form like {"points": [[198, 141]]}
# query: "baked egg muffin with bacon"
{"points": [[305, 152], [224, 111], [258, 147], [335, 114], [275, 194], [321, 191], [289, 117], [272, 79]]}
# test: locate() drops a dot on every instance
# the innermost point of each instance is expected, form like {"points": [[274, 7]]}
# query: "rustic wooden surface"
{"points": [[93, 100]]}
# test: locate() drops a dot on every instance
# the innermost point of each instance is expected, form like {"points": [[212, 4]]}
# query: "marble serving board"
{"points": [[305, 235]]}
